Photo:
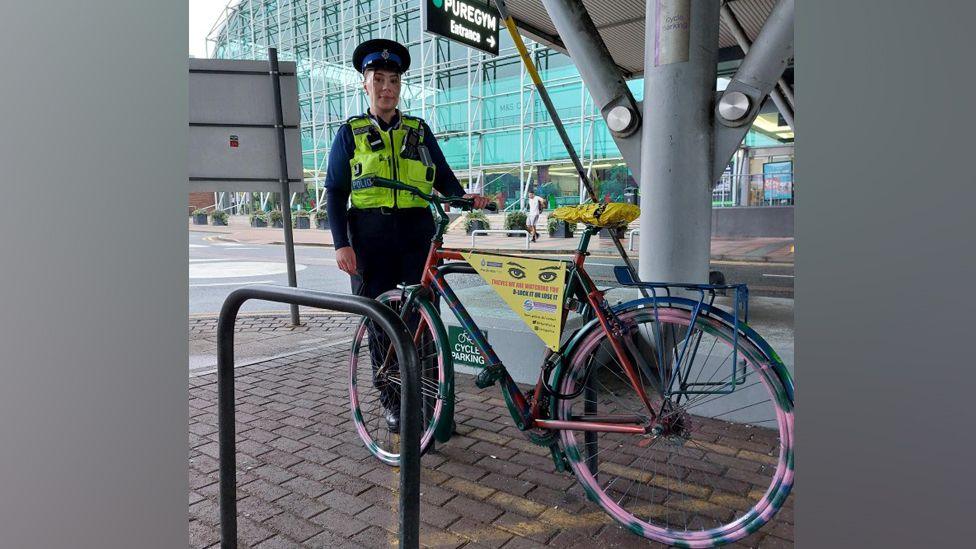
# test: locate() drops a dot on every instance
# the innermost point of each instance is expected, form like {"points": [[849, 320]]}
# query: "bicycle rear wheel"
{"points": [[374, 379], [717, 466]]}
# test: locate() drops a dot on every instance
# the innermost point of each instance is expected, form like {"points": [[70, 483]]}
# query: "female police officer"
{"points": [[383, 239]]}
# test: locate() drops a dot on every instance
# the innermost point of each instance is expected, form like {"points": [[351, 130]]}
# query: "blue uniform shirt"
{"points": [[338, 179]]}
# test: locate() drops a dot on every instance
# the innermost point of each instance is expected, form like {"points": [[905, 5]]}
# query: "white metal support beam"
{"points": [[601, 76], [781, 94], [761, 68]]}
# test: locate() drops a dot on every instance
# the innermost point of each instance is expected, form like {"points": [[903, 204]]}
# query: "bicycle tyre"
{"points": [[755, 508], [437, 379]]}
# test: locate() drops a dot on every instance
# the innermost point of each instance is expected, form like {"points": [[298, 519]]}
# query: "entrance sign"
{"points": [[533, 288], [468, 22], [233, 140]]}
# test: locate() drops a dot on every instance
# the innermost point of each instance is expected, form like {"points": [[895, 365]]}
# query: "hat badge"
{"points": [[385, 54]]}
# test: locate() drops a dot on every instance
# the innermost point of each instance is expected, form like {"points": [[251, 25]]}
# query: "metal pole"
{"points": [[560, 129], [755, 78], [283, 178], [779, 96], [680, 55], [600, 75], [410, 420]]}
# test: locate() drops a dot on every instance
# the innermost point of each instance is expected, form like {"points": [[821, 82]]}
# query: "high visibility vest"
{"points": [[386, 161]]}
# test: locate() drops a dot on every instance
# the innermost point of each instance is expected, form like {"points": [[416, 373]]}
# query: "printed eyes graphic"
{"points": [[548, 274], [515, 270]]}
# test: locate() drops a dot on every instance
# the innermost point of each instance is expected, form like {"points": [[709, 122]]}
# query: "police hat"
{"points": [[380, 53]]}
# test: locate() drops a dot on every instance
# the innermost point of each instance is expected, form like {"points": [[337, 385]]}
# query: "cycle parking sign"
{"points": [[463, 350]]}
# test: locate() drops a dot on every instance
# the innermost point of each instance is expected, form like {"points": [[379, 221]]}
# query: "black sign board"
{"points": [[467, 22]]}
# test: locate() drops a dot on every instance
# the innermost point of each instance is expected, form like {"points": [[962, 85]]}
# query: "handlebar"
{"points": [[456, 201]]}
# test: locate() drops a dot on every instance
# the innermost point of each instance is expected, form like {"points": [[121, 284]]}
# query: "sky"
{"points": [[203, 14]]}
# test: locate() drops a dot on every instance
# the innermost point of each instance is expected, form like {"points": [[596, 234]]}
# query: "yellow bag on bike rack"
{"points": [[599, 215]]}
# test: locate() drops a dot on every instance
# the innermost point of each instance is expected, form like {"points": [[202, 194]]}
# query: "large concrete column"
{"points": [[676, 146]]}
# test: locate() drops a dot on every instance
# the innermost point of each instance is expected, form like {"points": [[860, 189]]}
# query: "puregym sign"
{"points": [[468, 22]]}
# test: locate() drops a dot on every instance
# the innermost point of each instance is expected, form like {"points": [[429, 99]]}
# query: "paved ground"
{"points": [[305, 479]]}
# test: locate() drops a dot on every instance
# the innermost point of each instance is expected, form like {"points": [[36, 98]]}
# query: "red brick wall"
{"points": [[201, 200]]}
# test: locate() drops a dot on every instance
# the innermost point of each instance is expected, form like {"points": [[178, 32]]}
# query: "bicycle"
{"points": [[636, 402]]}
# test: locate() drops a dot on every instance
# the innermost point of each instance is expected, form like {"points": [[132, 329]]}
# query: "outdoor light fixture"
{"points": [[733, 106], [620, 119]]}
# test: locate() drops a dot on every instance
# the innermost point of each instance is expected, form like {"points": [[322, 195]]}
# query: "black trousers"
{"points": [[391, 248]]}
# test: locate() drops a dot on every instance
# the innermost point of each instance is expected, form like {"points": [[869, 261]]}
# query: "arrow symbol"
{"points": [[491, 41]]}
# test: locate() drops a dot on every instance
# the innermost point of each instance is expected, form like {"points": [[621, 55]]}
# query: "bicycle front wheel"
{"points": [[374, 380], [718, 462]]}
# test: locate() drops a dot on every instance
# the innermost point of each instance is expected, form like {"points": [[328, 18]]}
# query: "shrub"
{"points": [[551, 225], [515, 221], [201, 211], [321, 214], [259, 215], [219, 216], [274, 216], [301, 213], [472, 216]]}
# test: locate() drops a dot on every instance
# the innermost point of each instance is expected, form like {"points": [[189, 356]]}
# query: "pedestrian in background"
{"points": [[536, 205]]}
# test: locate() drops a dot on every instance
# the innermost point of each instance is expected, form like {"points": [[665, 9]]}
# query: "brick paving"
{"points": [[312, 321], [306, 480]]}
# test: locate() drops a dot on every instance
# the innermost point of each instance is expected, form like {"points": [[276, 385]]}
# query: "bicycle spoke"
{"points": [[670, 477], [741, 408], [378, 390]]}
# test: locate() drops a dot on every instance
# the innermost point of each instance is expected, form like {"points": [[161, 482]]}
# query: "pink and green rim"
{"points": [[384, 455], [780, 483]]}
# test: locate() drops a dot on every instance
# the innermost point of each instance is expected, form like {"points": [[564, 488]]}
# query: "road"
{"points": [[217, 268]]}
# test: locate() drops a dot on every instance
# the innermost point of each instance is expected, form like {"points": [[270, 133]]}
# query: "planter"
{"points": [[518, 235], [515, 221], [621, 233], [302, 223], [277, 224], [477, 225], [218, 222], [200, 219], [259, 223], [322, 224], [562, 230]]}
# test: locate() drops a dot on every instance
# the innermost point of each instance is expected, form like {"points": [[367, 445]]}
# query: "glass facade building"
{"points": [[487, 115]]}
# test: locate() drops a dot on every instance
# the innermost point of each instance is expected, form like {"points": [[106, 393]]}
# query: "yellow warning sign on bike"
{"points": [[533, 288]]}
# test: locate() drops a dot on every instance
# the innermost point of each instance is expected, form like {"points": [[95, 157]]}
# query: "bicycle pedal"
{"points": [[488, 376], [559, 458]]}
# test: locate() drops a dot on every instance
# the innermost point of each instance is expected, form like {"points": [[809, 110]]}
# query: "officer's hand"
{"points": [[480, 201], [346, 258]]}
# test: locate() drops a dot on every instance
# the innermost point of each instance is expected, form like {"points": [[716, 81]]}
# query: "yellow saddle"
{"points": [[598, 214]]}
